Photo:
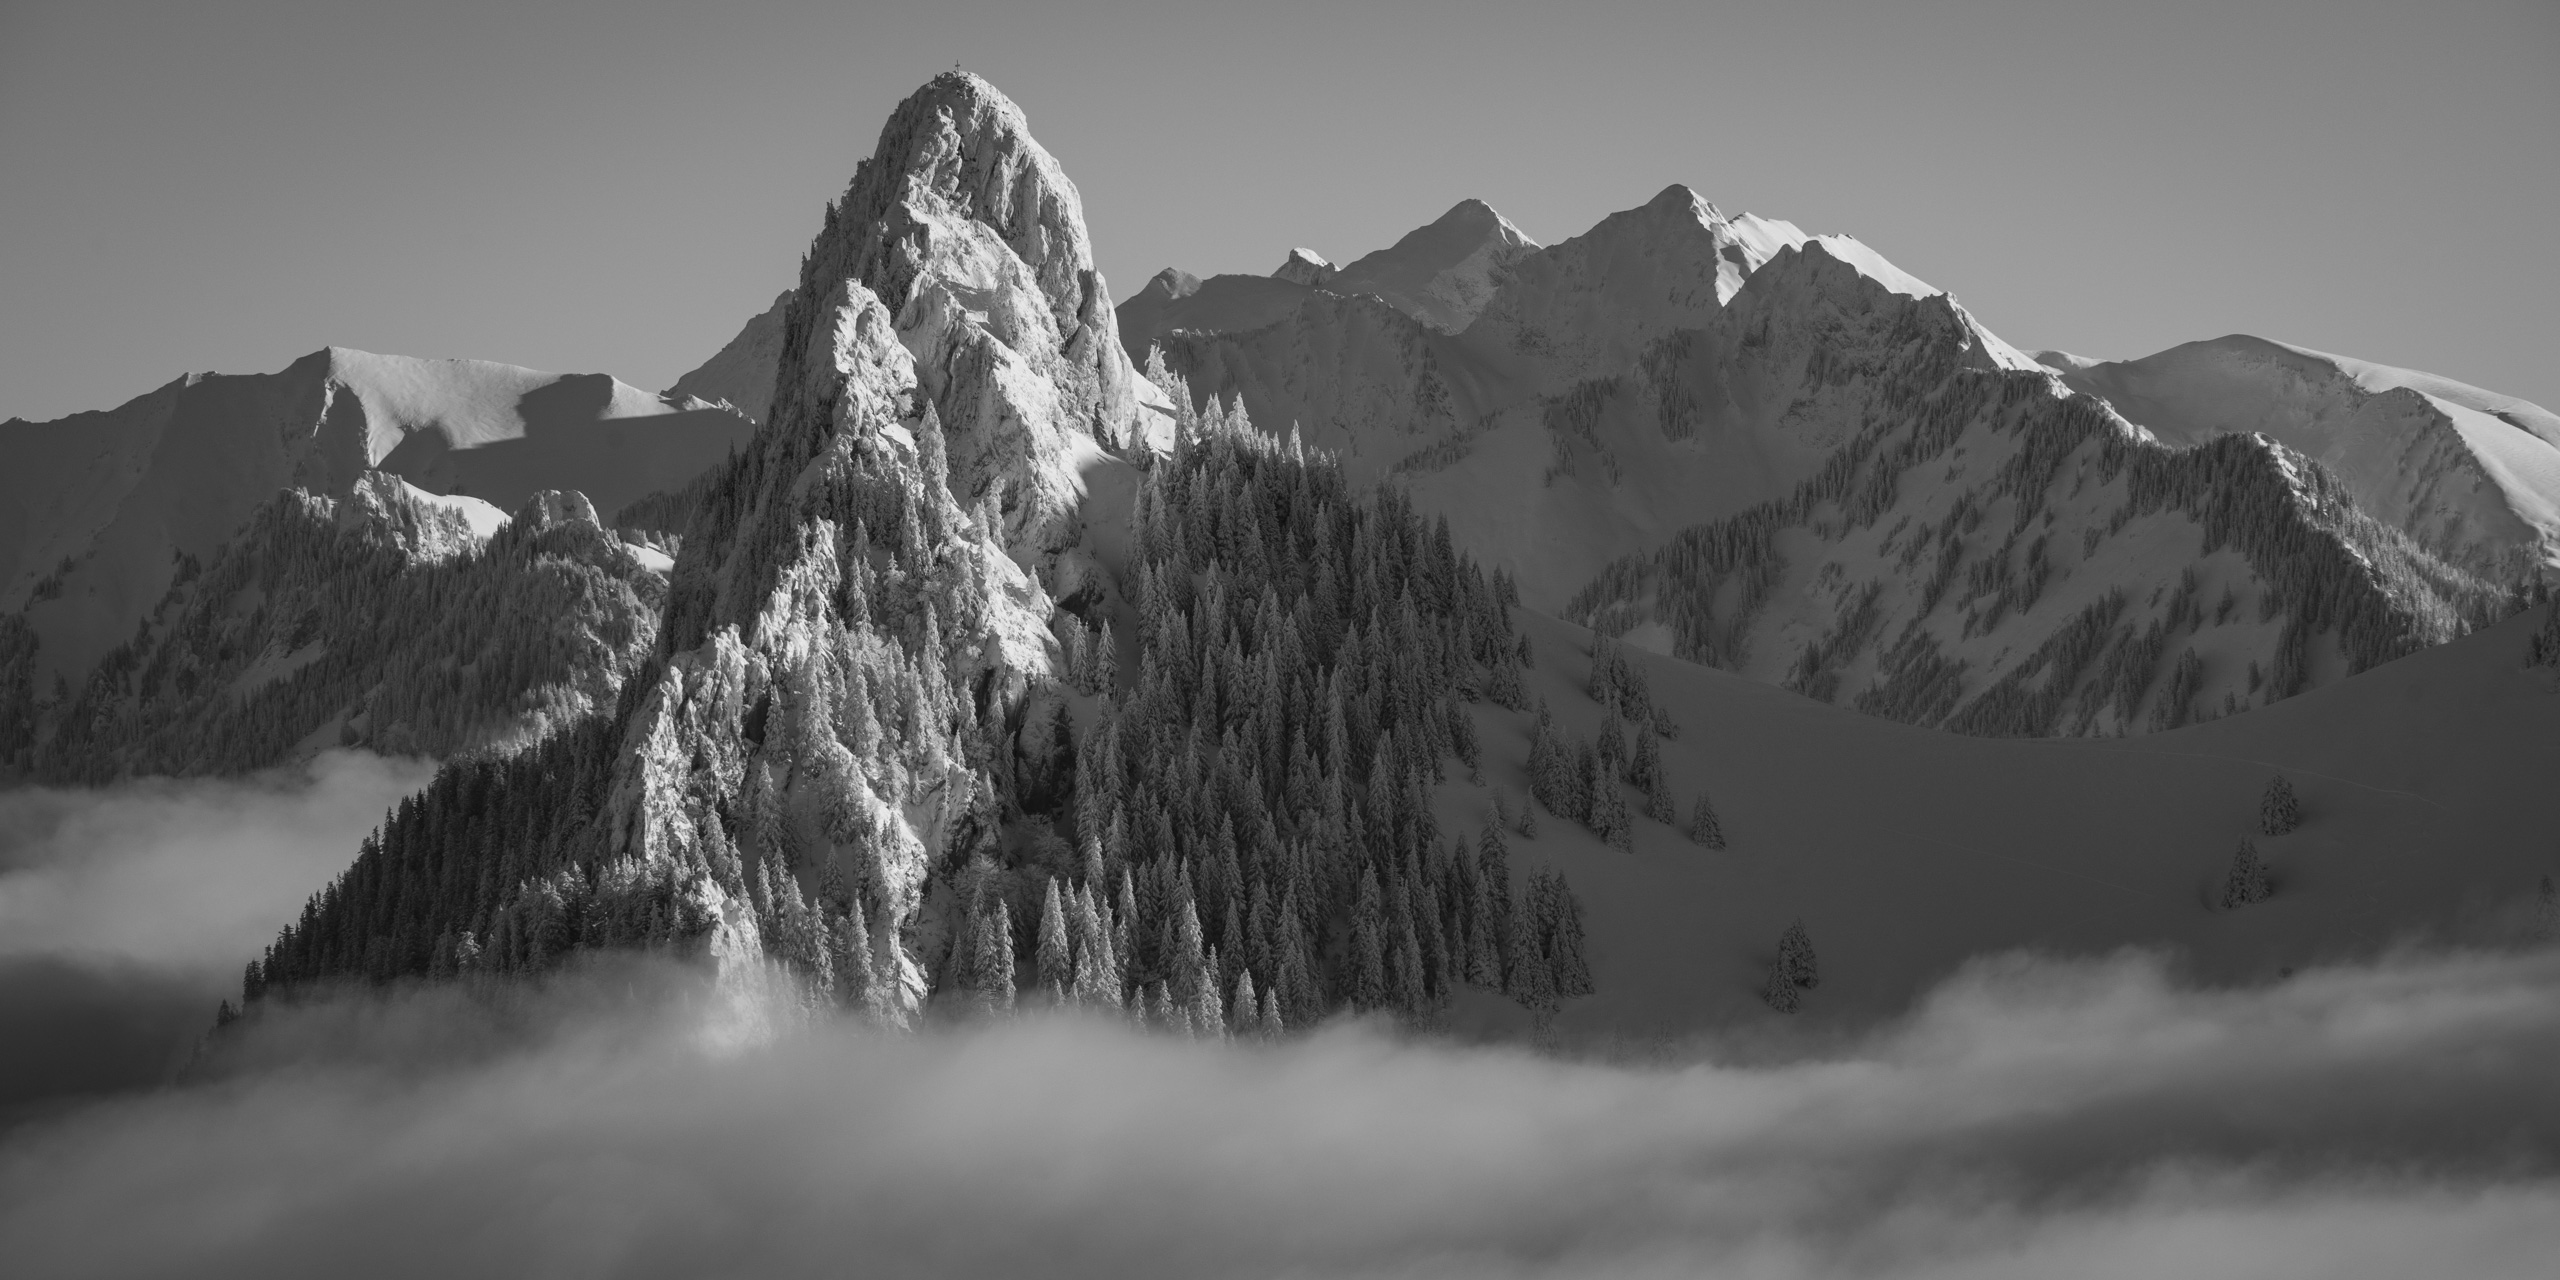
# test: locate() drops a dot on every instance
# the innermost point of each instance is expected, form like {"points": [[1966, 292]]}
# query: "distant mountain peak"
{"points": [[1303, 266], [1443, 272]]}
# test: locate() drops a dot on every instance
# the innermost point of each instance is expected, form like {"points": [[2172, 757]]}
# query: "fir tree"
{"points": [[993, 970], [1055, 960], [1207, 1010], [1271, 1026], [1245, 1005], [2279, 811], [1609, 814], [1780, 991], [1645, 770], [857, 985], [1795, 957], [1530, 979], [2247, 882], [1705, 828], [1556, 925]]}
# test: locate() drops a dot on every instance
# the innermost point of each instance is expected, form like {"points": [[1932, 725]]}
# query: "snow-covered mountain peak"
{"points": [[1174, 282], [1443, 272], [2472, 475], [974, 239], [1302, 266]]}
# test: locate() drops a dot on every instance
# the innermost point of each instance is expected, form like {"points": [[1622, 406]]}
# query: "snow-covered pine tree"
{"points": [[1587, 775], [1368, 985], [993, 971], [2247, 882], [1530, 979], [857, 987], [1795, 956], [1208, 1009], [2279, 810], [1055, 959], [1705, 828], [1271, 1026], [1610, 816], [1780, 991], [1657, 800], [1645, 768], [1244, 1007], [1572, 972]]}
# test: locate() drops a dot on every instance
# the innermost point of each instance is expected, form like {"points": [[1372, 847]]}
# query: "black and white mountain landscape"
{"points": [[1676, 751]]}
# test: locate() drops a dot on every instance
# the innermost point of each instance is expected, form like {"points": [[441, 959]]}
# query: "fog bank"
{"points": [[2032, 1118]]}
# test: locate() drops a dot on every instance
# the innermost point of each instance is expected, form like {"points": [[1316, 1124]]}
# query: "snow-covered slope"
{"points": [[99, 510], [1738, 442], [2469, 474], [740, 374], [1907, 852]]}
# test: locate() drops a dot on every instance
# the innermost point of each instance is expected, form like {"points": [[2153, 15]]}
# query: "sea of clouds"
{"points": [[127, 912], [2033, 1117]]}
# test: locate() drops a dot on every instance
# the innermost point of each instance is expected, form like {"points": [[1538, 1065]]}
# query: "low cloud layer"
{"points": [[127, 911], [2031, 1119]]}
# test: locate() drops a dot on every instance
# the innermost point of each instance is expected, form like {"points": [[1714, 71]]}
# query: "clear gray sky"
{"points": [[616, 186]]}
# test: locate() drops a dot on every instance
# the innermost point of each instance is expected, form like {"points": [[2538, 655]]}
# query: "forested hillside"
{"points": [[1220, 814], [380, 619]]}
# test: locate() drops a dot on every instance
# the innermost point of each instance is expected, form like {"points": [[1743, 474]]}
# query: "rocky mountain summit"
{"points": [[984, 629]]}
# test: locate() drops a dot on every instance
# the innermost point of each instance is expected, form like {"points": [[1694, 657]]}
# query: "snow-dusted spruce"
{"points": [[1794, 972], [2247, 881], [1795, 955], [862, 692], [1705, 828], [2279, 810]]}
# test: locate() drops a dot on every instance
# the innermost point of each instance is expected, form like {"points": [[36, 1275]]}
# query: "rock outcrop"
{"points": [[860, 626]]}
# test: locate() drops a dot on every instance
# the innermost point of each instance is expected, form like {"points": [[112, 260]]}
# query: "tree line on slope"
{"points": [[312, 617]]}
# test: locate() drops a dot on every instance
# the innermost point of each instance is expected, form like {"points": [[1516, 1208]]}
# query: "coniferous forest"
{"points": [[1218, 817]]}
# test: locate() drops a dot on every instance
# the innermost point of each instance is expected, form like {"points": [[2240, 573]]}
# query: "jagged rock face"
{"points": [[852, 640], [974, 240], [393, 619]]}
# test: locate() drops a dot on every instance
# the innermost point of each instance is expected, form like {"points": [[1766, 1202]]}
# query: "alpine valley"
{"points": [[1563, 641]]}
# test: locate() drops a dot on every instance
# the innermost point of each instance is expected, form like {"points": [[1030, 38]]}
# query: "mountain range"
{"points": [[953, 637]]}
